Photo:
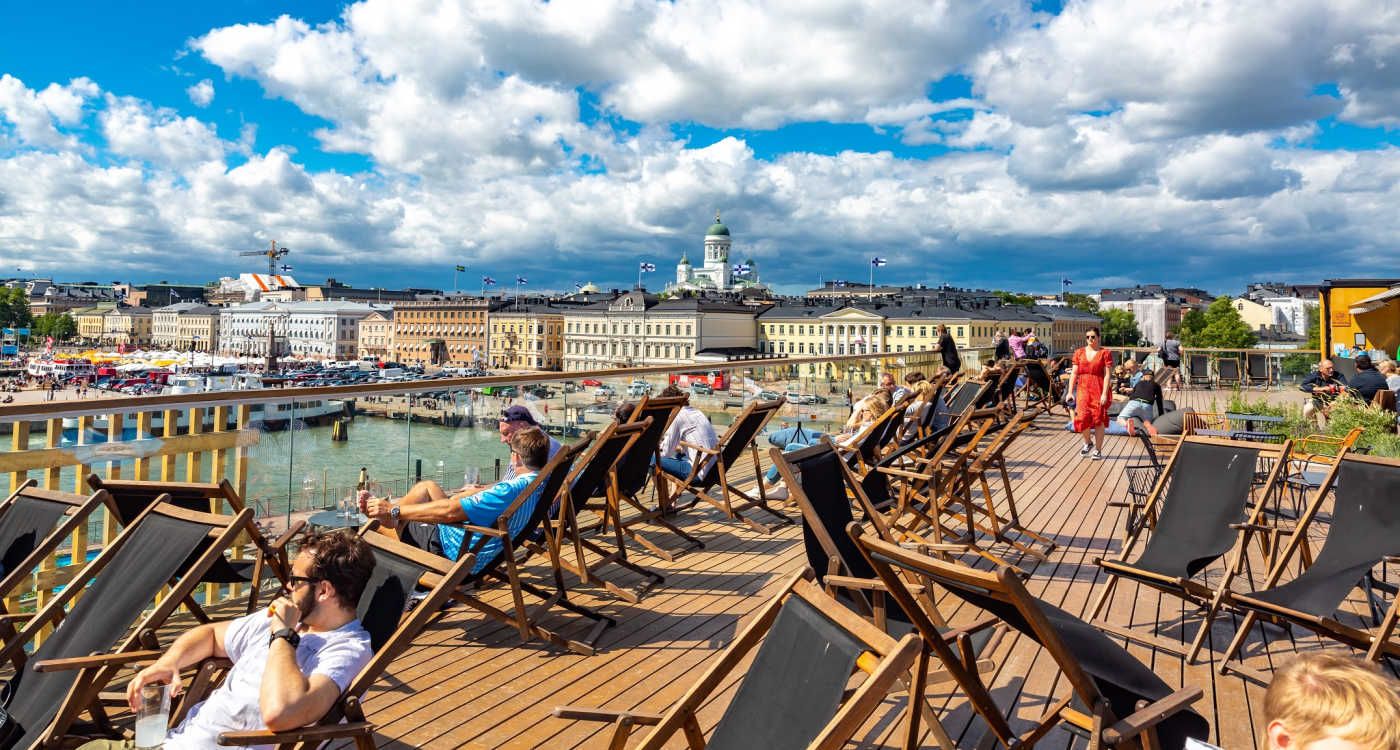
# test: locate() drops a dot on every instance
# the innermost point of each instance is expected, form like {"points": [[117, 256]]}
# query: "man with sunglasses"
{"points": [[291, 661]]}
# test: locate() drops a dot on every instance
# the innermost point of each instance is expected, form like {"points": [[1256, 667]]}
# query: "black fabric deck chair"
{"points": [[592, 469], [794, 693], [503, 566], [33, 523], [1257, 370], [1042, 392], [131, 497], [1205, 514], [1198, 370], [384, 611], [1106, 682], [1365, 532], [1227, 372], [866, 447], [641, 465], [711, 470], [164, 546]]}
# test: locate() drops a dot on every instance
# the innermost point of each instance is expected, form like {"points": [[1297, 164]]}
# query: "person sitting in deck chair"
{"points": [[1330, 702], [513, 419], [291, 661], [433, 525], [1141, 399], [1323, 385]]}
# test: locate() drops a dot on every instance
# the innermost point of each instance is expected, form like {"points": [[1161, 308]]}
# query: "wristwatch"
{"points": [[286, 634], [394, 513]]}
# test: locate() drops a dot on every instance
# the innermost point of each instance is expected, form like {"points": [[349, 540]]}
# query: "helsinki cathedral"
{"points": [[717, 275]]}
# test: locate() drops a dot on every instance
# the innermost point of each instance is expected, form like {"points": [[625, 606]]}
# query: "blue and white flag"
{"points": [[521, 280], [1066, 282], [742, 268], [878, 261], [840, 285], [487, 280], [647, 267], [578, 286]]}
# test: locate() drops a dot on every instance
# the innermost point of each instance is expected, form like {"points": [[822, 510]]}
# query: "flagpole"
{"points": [[871, 289], [455, 287]]}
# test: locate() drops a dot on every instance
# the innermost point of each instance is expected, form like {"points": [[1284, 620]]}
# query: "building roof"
{"points": [[190, 308], [316, 306], [1065, 312], [717, 229]]}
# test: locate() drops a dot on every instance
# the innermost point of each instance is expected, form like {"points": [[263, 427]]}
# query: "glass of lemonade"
{"points": [[152, 717]]}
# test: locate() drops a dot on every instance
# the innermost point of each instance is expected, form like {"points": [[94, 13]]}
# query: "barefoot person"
{"points": [[291, 661], [1092, 366]]}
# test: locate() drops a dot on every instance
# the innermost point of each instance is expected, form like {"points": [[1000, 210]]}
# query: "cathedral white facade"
{"points": [[717, 274]]}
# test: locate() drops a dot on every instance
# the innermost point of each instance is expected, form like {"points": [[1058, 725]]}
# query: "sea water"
{"points": [[150, 731]]}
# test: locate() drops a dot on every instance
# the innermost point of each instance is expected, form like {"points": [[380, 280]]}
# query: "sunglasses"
{"points": [[1090, 337], [294, 581]]}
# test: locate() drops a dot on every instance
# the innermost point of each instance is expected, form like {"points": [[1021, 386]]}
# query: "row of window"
{"points": [[629, 349], [898, 331], [652, 329]]}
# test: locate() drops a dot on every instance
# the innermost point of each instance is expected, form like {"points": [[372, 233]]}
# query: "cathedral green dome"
{"points": [[717, 229]]}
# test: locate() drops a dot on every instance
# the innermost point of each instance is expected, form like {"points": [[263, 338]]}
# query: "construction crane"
{"points": [[273, 254]]}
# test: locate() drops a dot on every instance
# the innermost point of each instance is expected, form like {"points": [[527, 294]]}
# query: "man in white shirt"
{"points": [[291, 662], [690, 426]]}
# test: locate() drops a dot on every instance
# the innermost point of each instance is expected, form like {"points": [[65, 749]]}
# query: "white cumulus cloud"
{"points": [[202, 93]]}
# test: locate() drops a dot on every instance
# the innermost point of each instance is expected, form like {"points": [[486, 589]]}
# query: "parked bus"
{"points": [[716, 379]]}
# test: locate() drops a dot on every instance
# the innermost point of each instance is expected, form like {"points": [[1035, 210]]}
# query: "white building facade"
{"points": [[637, 329], [311, 330], [716, 274]]}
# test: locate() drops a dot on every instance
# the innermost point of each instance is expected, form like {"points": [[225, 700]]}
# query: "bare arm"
{"points": [[192, 647], [435, 511], [288, 699]]}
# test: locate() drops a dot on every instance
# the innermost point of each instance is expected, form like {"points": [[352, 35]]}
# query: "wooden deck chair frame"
{"points": [[1253, 364], [1209, 598], [1198, 370], [885, 663], [1227, 372], [565, 528], [1377, 643], [755, 416], [346, 718], [1002, 528], [1047, 391], [868, 444], [76, 511], [506, 568], [96, 672], [128, 494], [662, 411], [1142, 480], [1003, 585]]}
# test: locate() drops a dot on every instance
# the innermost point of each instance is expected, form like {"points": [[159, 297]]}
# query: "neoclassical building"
{"points": [[717, 274]]}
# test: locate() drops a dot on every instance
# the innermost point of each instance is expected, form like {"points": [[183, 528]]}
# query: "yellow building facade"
{"points": [[1360, 315], [530, 337]]}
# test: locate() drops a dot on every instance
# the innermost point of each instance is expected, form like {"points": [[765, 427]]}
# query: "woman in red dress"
{"points": [[1089, 383]]}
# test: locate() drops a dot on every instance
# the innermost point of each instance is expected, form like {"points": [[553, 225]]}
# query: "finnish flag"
{"points": [[647, 267], [878, 261], [487, 280]]}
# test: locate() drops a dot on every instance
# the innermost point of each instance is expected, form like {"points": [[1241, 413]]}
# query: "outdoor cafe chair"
{"points": [[1257, 370], [1198, 370], [164, 546], [1227, 372], [1113, 699], [794, 692], [1364, 533], [641, 464], [1199, 512], [711, 469]]}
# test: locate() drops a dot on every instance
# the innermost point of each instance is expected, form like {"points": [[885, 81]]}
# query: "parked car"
{"points": [[591, 383], [538, 391], [604, 392], [769, 395], [797, 397], [638, 388], [701, 389]]}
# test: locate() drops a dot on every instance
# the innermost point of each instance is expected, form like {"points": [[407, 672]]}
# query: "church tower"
{"points": [[717, 253], [683, 270]]}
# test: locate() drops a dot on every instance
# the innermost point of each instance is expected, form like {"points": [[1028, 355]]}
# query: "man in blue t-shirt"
{"points": [[435, 525]]}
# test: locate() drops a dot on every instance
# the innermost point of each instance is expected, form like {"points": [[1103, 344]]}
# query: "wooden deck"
{"points": [[468, 682]]}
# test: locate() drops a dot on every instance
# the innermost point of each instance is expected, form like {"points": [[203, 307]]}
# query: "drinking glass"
{"points": [[152, 717], [472, 476]]}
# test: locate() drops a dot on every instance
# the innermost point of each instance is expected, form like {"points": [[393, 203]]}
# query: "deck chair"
{"points": [[1142, 478], [384, 611], [1205, 514], [1227, 372], [794, 693], [1257, 370], [592, 470], [1365, 532], [711, 470], [639, 465], [1002, 525], [1198, 370], [866, 447], [1114, 700], [131, 497], [501, 562], [33, 523], [1042, 392], [163, 546]]}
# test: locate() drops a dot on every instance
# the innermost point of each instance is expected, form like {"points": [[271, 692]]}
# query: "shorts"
{"points": [[1171, 363], [422, 535], [1139, 409]]}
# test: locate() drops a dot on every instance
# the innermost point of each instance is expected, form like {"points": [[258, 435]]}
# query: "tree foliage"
{"points": [[1302, 364], [1119, 328], [61, 326], [14, 308], [1013, 298], [1192, 323], [1221, 327], [1082, 302]]}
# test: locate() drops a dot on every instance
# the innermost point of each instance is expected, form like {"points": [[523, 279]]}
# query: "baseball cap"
{"points": [[518, 414]]}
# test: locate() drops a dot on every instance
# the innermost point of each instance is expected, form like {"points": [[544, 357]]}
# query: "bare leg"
{"points": [[1098, 438], [426, 491]]}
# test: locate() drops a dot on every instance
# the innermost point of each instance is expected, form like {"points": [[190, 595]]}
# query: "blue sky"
{"points": [[992, 143]]}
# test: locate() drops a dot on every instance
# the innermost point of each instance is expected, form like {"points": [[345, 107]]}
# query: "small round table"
{"points": [[336, 519]]}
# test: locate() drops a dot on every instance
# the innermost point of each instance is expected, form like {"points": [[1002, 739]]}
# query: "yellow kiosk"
{"points": [[1360, 315]]}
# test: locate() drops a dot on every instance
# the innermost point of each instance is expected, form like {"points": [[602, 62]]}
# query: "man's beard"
{"points": [[306, 604]]}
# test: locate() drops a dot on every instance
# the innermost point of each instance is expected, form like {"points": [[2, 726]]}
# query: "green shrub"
{"points": [[1377, 425]]}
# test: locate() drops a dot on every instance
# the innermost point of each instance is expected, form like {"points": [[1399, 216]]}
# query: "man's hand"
{"points": [[284, 614], [159, 673], [377, 508]]}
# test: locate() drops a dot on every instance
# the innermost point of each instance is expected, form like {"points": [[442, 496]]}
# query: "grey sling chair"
{"points": [[1042, 392], [1257, 370], [639, 465], [512, 532], [33, 523], [711, 468], [392, 618], [793, 695], [1206, 513], [131, 497], [1113, 700], [60, 680], [1364, 533], [1198, 370], [1227, 372], [592, 470]]}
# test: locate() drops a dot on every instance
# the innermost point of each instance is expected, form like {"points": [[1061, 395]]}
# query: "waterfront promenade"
{"points": [[468, 682]]}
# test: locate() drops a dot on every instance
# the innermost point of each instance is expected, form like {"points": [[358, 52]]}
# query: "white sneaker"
{"points": [[1084, 451], [1096, 456]]}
